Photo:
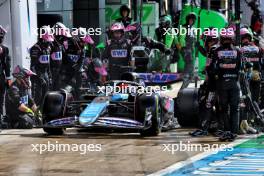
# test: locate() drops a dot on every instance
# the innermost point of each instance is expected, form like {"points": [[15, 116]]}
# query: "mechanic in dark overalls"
{"points": [[117, 52], [57, 53], [252, 57], [5, 78], [208, 89], [252, 54], [124, 13], [40, 64], [20, 107], [71, 69], [226, 60], [93, 69]]}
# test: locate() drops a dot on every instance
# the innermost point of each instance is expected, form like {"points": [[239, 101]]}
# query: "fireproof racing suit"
{"points": [[15, 96], [252, 54], [227, 66], [57, 51], [71, 69], [4, 74], [117, 54], [40, 64]]}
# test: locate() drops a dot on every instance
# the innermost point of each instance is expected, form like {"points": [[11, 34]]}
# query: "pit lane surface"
{"points": [[120, 153]]}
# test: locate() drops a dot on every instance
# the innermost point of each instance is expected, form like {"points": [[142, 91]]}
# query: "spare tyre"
{"points": [[187, 107]]}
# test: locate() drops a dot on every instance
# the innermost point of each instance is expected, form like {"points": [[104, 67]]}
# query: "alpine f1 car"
{"points": [[147, 112]]}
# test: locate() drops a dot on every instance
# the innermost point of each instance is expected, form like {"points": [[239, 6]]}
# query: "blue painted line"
{"points": [[240, 161]]}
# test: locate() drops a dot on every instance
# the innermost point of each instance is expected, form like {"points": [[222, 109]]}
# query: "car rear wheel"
{"points": [[187, 107]]}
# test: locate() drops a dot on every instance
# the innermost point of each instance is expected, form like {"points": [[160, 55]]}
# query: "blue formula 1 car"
{"points": [[147, 112]]}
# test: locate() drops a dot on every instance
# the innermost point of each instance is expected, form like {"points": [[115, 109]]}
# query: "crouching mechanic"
{"points": [[20, 107]]}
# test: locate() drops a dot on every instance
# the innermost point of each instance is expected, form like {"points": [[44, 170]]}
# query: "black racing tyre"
{"points": [[53, 109], [54, 131], [53, 106], [156, 119], [187, 107]]}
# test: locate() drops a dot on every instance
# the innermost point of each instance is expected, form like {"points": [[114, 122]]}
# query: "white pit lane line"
{"points": [[199, 156]]}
